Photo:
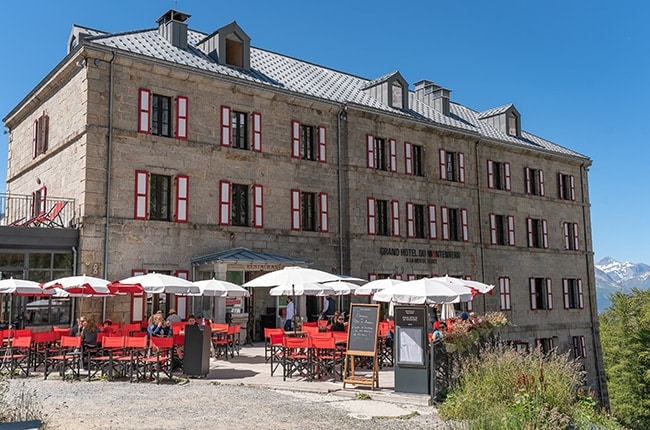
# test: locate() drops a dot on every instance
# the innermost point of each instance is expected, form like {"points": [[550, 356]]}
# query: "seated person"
{"points": [[108, 327], [191, 320], [158, 326], [339, 324]]}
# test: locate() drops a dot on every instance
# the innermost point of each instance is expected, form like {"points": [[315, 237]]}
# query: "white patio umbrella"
{"points": [[310, 289], [219, 288], [157, 283], [82, 285], [21, 287], [424, 291], [479, 287], [375, 286]]}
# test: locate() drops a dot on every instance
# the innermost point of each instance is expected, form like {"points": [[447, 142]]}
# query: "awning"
{"points": [[248, 257]]}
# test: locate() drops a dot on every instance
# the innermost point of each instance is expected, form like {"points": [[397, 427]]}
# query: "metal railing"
{"points": [[22, 211]]}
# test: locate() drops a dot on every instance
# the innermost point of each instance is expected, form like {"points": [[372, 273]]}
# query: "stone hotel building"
{"points": [[200, 155]]}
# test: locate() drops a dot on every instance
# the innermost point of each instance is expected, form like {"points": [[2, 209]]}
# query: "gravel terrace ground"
{"points": [[210, 404]]}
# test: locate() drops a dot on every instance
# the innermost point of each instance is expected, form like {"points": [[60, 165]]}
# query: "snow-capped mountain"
{"points": [[613, 276]]}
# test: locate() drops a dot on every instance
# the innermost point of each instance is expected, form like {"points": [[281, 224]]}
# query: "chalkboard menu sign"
{"points": [[363, 327]]}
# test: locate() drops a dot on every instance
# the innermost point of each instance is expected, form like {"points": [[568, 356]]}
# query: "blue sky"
{"points": [[576, 70]]}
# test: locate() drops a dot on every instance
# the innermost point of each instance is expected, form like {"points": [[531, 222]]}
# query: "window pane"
{"points": [[62, 261], [239, 207]]}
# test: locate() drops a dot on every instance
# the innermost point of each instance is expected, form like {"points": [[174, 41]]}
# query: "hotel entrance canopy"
{"points": [[246, 260]]}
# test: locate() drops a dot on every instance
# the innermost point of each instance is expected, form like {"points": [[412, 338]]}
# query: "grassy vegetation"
{"points": [[23, 406], [501, 388]]}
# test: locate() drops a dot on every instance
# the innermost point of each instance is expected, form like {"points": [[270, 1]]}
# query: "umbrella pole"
{"points": [[295, 307]]}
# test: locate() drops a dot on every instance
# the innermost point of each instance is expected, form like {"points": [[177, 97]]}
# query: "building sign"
{"points": [[414, 255]]}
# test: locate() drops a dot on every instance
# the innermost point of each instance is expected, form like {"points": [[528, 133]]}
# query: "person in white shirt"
{"points": [[288, 323]]}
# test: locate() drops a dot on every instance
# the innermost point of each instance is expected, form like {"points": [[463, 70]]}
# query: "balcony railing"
{"points": [[22, 211]]}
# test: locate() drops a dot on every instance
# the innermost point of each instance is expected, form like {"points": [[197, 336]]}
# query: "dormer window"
{"points": [[390, 89], [513, 124], [229, 46], [398, 91], [234, 51]]}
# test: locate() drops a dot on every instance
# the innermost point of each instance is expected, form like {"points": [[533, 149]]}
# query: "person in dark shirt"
{"points": [[339, 324]]}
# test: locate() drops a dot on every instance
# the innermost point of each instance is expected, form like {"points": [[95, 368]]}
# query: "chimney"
{"points": [[172, 27], [433, 95]]}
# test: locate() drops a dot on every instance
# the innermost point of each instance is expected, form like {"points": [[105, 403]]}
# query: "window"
{"points": [[416, 220], [572, 290], [541, 297], [498, 175], [381, 154], [239, 130], [39, 201], [397, 90], [234, 205], [235, 129], [537, 233], [308, 142], [571, 233], [454, 224], [159, 197], [40, 135], [566, 187], [502, 230], [545, 344], [308, 209], [378, 221], [155, 114], [513, 124], [579, 347], [452, 166], [160, 115], [534, 181], [239, 206], [414, 159], [504, 293]]}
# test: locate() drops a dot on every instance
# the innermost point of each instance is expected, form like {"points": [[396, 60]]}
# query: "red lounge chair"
{"points": [[50, 219]]}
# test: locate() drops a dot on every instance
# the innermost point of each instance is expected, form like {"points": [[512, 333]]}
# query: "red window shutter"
{"points": [[408, 158], [581, 299], [224, 203], [410, 219], [183, 274], [583, 346], [444, 214], [226, 126], [565, 292], [395, 215], [549, 294], [182, 116], [511, 229], [443, 164], [545, 233], [469, 306], [493, 229], [541, 183], [258, 206], [461, 167], [490, 172], [257, 132], [465, 224], [144, 111], [372, 276], [141, 194], [322, 144], [506, 175], [575, 237], [433, 224], [392, 145], [410, 277], [324, 213], [529, 227], [182, 198], [43, 201], [504, 292], [572, 184], [35, 139], [533, 295], [295, 210], [370, 145], [295, 139], [398, 276], [528, 183], [372, 216], [567, 235]]}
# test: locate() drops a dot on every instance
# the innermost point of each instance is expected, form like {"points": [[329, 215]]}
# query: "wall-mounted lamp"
{"points": [[97, 62], [38, 181]]}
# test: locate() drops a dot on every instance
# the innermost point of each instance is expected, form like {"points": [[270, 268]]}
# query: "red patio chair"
{"points": [[19, 355], [297, 358], [52, 218], [67, 357], [105, 361], [160, 359]]}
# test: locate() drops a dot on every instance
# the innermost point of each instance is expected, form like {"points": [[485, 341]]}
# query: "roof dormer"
{"points": [[229, 46], [504, 118], [390, 89]]}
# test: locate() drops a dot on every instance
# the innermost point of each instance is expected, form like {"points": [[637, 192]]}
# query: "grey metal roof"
{"points": [[494, 111], [245, 255], [279, 71]]}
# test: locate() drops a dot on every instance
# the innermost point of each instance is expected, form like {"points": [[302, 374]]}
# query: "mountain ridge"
{"points": [[613, 276]]}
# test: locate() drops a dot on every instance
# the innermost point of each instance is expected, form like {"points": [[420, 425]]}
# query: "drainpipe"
{"points": [[339, 117], [480, 226], [75, 257], [109, 159], [593, 308]]}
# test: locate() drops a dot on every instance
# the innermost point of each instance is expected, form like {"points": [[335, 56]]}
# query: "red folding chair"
{"points": [[68, 357]]}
